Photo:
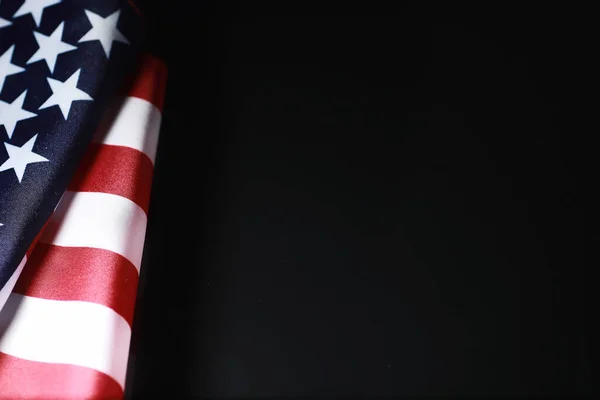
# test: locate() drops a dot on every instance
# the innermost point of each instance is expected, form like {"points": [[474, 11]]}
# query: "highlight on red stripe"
{"points": [[24, 379], [149, 81], [115, 170], [80, 273]]}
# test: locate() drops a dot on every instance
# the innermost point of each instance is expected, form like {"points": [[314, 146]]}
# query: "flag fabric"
{"points": [[60, 64], [75, 177], [65, 329]]}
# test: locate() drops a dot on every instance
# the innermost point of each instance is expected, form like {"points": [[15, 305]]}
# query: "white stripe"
{"points": [[67, 332], [12, 281], [99, 220], [131, 122]]}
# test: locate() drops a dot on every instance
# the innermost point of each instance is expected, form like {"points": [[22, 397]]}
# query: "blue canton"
{"points": [[61, 62]]}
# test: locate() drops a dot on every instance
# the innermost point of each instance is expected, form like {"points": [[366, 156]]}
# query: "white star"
{"points": [[105, 30], [12, 113], [4, 22], [36, 8], [6, 67], [50, 47], [65, 93], [20, 157]]}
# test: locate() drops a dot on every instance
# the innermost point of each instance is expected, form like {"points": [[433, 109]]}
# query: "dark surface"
{"points": [[367, 205]]}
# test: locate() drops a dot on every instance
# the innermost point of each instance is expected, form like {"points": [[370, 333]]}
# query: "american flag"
{"points": [[76, 165]]}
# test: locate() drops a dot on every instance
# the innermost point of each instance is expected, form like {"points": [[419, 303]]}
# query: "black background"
{"points": [[369, 202]]}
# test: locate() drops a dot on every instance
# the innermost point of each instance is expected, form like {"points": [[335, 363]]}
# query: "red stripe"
{"points": [[134, 7], [37, 237], [115, 170], [149, 81], [80, 273], [24, 379]]}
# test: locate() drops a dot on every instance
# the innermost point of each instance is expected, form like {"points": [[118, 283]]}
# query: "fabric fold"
{"points": [[70, 314], [61, 64]]}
